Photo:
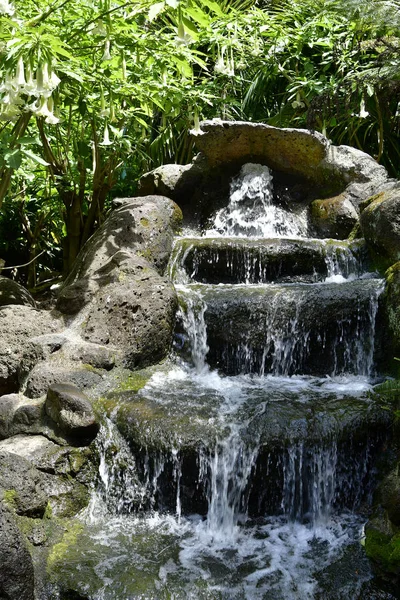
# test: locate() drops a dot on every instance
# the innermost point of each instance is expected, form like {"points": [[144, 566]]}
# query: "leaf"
{"points": [[58, 49], [37, 159], [191, 28], [213, 6], [28, 140], [199, 16], [69, 73], [183, 66], [155, 10], [13, 159], [172, 3]]}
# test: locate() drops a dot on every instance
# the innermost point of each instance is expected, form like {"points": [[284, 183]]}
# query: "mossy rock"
{"points": [[149, 424], [380, 223], [392, 305], [333, 217], [382, 546]]}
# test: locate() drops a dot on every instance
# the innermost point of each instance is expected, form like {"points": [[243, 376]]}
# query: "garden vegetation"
{"points": [[94, 94]]}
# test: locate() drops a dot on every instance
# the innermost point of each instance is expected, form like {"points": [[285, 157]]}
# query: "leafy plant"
{"points": [[94, 94]]}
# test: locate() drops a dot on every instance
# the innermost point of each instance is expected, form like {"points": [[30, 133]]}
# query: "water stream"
{"points": [[254, 481]]}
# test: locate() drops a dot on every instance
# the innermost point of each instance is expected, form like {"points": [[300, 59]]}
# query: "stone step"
{"points": [[247, 260], [317, 329], [297, 440]]}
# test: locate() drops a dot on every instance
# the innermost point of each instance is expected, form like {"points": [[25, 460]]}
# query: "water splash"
{"points": [[251, 212], [344, 261]]}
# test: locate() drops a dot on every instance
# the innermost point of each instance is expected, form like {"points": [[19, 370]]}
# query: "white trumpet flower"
{"points": [[8, 84], [363, 114], [46, 110], [225, 67], [54, 80], [106, 139], [99, 29], [183, 38], [9, 112], [30, 85], [20, 73], [51, 117], [6, 8], [104, 112], [106, 53], [42, 81]]}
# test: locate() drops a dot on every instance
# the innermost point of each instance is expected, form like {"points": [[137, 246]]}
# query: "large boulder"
{"points": [[12, 292], [333, 217], [16, 568], [136, 315], [294, 151], [21, 485], [136, 235], [304, 164], [129, 305], [18, 355], [380, 223]]}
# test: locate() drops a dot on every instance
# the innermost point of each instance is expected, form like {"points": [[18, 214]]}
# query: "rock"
{"points": [[58, 370], [72, 411], [136, 315], [22, 415], [390, 496], [178, 182], [392, 308], [16, 572], [12, 292], [305, 166], [8, 404], [21, 485], [69, 358], [49, 343], [95, 355], [35, 448], [172, 181], [247, 260], [294, 151], [382, 546], [333, 218], [140, 228], [380, 223], [66, 472], [19, 414], [130, 306], [313, 330], [18, 355]]}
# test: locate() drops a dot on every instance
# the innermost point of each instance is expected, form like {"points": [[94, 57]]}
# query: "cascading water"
{"points": [[251, 212], [267, 436]]}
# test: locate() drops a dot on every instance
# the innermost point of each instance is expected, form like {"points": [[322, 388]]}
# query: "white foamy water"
{"points": [[251, 212], [160, 557]]}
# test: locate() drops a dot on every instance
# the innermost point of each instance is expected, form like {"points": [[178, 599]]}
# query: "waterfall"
{"points": [[237, 471], [192, 310], [251, 211]]}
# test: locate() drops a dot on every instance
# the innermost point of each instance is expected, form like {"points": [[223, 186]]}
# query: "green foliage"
{"points": [[94, 94]]}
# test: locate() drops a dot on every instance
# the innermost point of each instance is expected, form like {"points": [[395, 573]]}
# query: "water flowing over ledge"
{"points": [[242, 468]]}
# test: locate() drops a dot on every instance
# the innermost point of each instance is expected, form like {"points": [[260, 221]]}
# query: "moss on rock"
{"points": [[384, 550]]}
